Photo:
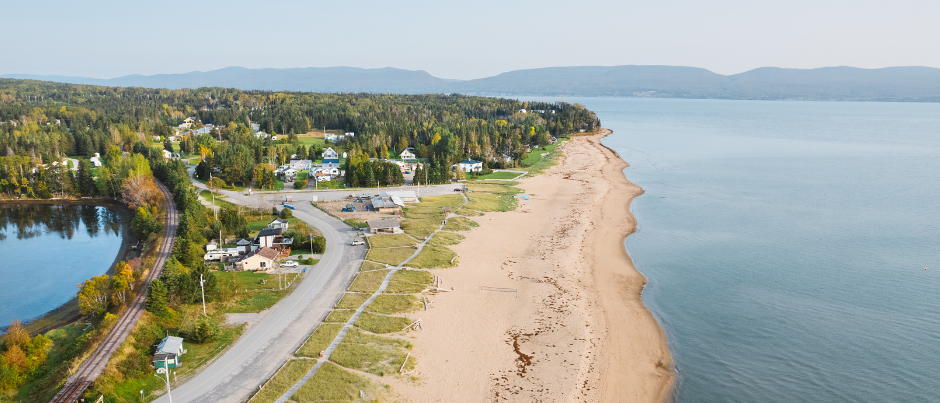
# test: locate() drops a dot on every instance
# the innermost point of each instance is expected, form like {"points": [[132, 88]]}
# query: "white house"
{"points": [[278, 223], [407, 154], [325, 174], [330, 137], [330, 156], [301, 164], [96, 160], [350, 134], [470, 166], [167, 154], [289, 174]]}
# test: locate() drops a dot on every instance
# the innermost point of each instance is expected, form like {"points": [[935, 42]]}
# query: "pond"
{"points": [[46, 250]]}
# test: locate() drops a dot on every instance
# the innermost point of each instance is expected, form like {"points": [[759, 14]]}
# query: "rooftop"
{"points": [[382, 224], [269, 232], [264, 252], [170, 344]]}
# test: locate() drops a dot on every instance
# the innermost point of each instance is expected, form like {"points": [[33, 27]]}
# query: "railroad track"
{"points": [[92, 367]]}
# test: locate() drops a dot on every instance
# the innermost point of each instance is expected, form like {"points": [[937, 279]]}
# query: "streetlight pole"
{"points": [[201, 282], [166, 371]]}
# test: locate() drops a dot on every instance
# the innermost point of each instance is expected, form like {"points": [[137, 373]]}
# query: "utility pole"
{"points": [[201, 282], [165, 370]]}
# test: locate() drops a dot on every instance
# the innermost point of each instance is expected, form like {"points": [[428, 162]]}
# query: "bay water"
{"points": [[792, 248], [46, 250]]}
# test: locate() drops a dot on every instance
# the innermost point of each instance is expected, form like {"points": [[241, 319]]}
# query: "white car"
{"points": [[358, 242], [289, 263]]}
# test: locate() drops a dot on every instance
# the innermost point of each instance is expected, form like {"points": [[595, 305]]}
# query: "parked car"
{"points": [[289, 263], [358, 242]]}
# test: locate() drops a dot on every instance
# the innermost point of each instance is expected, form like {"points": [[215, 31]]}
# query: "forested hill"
{"points": [[768, 83], [42, 122]]}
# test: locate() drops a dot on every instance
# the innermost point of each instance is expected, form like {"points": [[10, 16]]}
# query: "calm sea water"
{"points": [[785, 244], [46, 250]]}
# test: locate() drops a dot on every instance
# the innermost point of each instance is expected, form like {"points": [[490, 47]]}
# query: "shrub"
{"points": [[301, 184]]}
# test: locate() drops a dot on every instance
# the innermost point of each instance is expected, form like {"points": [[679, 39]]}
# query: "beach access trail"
{"points": [[271, 338], [575, 329]]}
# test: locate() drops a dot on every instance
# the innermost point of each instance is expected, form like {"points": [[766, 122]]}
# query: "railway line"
{"points": [[94, 365]]}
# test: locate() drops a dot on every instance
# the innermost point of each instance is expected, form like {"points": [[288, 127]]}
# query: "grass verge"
{"points": [[392, 256], [370, 353], [288, 376], [319, 340], [381, 324], [339, 316]]}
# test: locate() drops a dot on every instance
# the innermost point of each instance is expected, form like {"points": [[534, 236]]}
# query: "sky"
{"points": [[462, 40]]}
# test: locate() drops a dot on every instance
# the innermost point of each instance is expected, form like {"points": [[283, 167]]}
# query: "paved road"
{"points": [[268, 343]]}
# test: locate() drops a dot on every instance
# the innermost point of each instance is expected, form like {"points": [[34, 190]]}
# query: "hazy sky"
{"points": [[462, 40]]}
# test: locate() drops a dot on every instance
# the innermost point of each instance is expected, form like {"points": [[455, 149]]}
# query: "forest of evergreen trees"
{"points": [[45, 121]]}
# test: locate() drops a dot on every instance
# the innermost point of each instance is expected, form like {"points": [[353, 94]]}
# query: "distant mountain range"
{"points": [[766, 83]]}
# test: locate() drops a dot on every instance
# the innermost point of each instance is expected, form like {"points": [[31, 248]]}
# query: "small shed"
{"points": [[168, 353], [211, 246], [386, 226]]}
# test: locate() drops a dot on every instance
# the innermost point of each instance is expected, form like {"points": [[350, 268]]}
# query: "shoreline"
{"points": [[576, 328], [67, 313]]}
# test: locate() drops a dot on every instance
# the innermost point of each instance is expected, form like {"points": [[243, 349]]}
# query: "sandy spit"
{"points": [[571, 326]]}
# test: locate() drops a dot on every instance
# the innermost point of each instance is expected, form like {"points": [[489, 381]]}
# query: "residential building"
{"points": [[407, 154], [167, 154], [386, 226], [330, 137], [96, 160], [278, 223], [330, 156], [168, 353], [260, 259], [272, 238], [301, 164], [387, 204], [470, 166], [243, 246], [211, 246]]}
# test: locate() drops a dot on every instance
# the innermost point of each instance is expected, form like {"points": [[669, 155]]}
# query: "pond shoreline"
{"points": [[68, 312]]}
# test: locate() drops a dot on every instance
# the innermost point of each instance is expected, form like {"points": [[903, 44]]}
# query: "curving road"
{"points": [[271, 340]]}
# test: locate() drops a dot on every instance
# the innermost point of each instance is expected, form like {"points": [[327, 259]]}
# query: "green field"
{"points": [[499, 175]]}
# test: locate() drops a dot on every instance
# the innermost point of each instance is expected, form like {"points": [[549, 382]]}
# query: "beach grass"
{"points": [[483, 201], [409, 281], [381, 324], [319, 340], [391, 240], [287, 377], [369, 266], [392, 256], [499, 175], [339, 316], [444, 238], [433, 257], [459, 224], [453, 201], [352, 300], [332, 383], [368, 281], [370, 353], [388, 304]]}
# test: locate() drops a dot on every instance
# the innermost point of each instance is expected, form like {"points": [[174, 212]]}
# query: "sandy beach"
{"points": [[572, 327]]}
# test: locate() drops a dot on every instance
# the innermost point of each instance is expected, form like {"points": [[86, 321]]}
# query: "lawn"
{"points": [[319, 340], [368, 281], [266, 296], [499, 175], [288, 376], [391, 240], [381, 324], [409, 281], [432, 257], [373, 354], [333, 383], [536, 155], [392, 256], [389, 304]]}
